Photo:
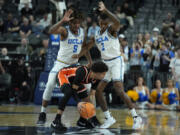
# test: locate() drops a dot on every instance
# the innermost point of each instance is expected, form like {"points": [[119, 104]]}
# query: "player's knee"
{"points": [[119, 89]]}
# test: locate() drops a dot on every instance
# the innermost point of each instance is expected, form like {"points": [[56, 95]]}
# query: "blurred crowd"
{"points": [[153, 55]]}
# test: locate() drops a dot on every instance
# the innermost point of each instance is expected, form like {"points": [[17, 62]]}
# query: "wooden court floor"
{"points": [[21, 120]]}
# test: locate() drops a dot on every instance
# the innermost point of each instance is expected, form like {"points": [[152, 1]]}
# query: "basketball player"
{"points": [[72, 39], [72, 80], [107, 42]]}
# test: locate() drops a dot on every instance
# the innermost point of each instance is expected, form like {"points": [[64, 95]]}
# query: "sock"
{"points": [[133, 112], [107, 114], [43, 109]]}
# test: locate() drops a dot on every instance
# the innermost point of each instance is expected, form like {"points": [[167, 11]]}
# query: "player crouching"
{"points": [[72, 80]]}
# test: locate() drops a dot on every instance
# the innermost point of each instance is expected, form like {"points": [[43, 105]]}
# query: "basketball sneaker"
{"points": [[108, 122], [42, 119], [137, 122], [57, 125]]}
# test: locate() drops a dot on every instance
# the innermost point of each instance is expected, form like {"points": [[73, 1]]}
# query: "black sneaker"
{"points": [[82, 122], [94, 121], [42, 119], [57, 125]]}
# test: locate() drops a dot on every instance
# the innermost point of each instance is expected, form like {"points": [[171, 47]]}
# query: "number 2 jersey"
{"points": [[108, 45], [71, 45]]}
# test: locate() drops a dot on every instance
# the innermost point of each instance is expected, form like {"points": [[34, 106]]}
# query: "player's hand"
{"points": [[67, 15], [102, 6], [75, 56], [89, 65]]}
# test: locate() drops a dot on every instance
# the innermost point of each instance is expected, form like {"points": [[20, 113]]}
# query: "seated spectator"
{"points": [[24, 48], [14, 27], [168, 25], [136, 53], [4, 53], [175, 68], [2, 27], [26, 10], [176, 34], [143, 93], [37, 29], [93, 29], [155, 34], [129, 13], [121, 16], [165, 57], [156, 96], [171, 96], [25, 29], [8, 21], [46, 20]]}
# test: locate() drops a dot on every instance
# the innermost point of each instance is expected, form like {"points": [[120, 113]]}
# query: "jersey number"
{"points": [[75, 48], [102, 47]]}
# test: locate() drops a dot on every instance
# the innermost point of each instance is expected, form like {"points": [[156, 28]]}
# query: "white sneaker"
{"points": [[137, 123], [108, 122]]}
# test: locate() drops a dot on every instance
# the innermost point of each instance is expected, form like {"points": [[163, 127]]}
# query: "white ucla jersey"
{"points": [[108, 45], [71, 45]]}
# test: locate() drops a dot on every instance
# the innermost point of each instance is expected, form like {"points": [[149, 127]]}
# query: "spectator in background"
{"points": [[176, 34], [129, 13], [144, 94], [147, 58], [26, 10], [168, 25], [174, 100], [14, 27], [93, 29], [146, 40], [136, 53], [155, 34], [121, 38], [2, 68], [25, 29], [125, 51], [161, 40], [8, 21], [175, 68], [165, 57], [2, 27], [140, 39], [4, 54], [45, 21], [24, 48], [122, 17], [23, 2]]}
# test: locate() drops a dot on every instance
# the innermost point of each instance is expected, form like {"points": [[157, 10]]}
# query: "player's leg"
{"points": [[48, 91], [68, 92], [118, 77], [109, 120], [57, 123], [92, 96]]}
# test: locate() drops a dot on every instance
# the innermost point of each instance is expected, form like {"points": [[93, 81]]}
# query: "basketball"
{"points": [[86, 110]]}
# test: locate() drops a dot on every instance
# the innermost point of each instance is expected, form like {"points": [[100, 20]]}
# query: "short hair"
{"points": [[77, 14], [99, 67]]}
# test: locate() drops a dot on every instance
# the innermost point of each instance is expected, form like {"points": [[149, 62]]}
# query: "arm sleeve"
{"points": [[80, 75]]}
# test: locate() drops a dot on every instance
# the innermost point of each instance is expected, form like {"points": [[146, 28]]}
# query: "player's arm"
{"points": [[58, 27], [80, 75], [85, 49], [116, 23], [87, 54]]}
